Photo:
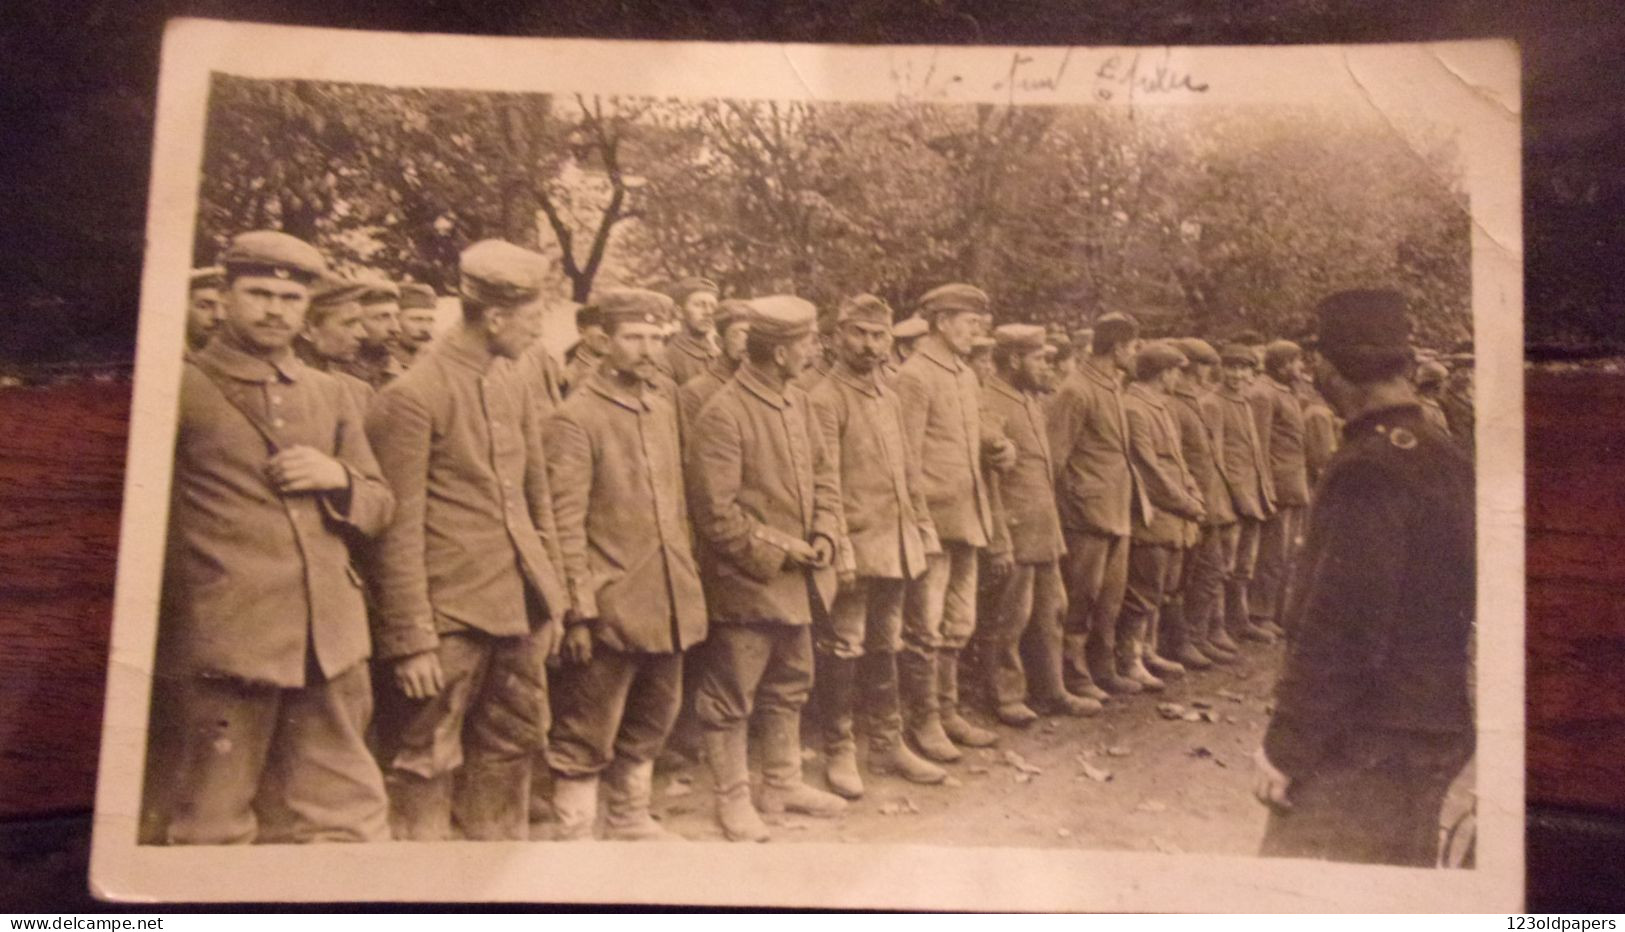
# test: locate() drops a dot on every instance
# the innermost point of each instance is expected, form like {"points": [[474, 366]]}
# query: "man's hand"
{"points": [[823, 552], [846, 579], [1271, 785], [1002, 454], [419, 676], [577, 649], [305, 469], [999, 565], [801, 553], [547, 639]]}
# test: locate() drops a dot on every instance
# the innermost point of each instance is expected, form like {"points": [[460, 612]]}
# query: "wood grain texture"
{"points": [[62, 471]]}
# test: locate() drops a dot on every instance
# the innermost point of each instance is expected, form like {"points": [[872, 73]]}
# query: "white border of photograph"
{"points": [[1471, 87]]}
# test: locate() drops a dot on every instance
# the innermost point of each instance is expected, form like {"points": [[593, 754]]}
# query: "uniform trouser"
{"points": [[867, 617], [750, 666], [1239, 581], [1023, 626], [939, 608], [619, 706], [1277, 542], [269, 764], [1376, 799], [1151, 572], [1207, 565], [488, 719], [1096, 572]]}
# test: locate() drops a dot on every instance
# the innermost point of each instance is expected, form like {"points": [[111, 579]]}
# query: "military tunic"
{"points": [[1374, 714]]}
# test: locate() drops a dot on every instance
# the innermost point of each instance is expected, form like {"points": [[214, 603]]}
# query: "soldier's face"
{"points": [[265, 312], [338, 336], [511, 330], [1035, 370], [733, 340], [1169, 379], [204, 310], [1237, 375], [594, 338], [381, 323], [861, 345], [698, 311], [632, 349], [794, 358], [417, 326], [960, 331], [1124, 354]]}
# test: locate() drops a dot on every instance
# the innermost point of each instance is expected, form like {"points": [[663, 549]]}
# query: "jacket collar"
{"points": [[1100, 376], [467, 349], [936, 349], [1141, 391], [867, 384], [998, 384], [698, 347], [225, 356], [611, 389], [751, 379]]}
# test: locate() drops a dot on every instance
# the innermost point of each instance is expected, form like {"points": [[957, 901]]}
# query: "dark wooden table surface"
{"points": [[61, 483]]}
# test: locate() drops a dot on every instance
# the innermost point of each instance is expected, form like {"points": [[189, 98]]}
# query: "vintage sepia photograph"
{"points": [[892, 477]]}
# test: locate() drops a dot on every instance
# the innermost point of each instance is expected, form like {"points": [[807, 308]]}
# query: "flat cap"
{"points": [[865, 309], [682, 289], [1363, 320], [1157, 358], [730, 312], [911, 328], [1233, 353], [332, 290], [1022, 338], [1114, 329], [497, 273], [1197, 350], [954, 298], [377, 289], [621, 306], [271, 252], [417, 295], [1431, 373], [1280, 352], [213, 276], [781, 318]]}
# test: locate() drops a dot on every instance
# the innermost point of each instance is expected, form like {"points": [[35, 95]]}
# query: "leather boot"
{"points": [[1220, 646], [725, 752], [1254, 630], [783, 790], [1103, 669], [877, 673], [917, 680], [836, 686], [575, 806], [957, 728], [1180, 641], [1075, 669], [628, 790], [1131, 664], [419, 807]]}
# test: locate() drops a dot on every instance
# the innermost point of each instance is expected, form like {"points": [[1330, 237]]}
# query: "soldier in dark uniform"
{"points": [[375, 362], [332, 334], [1373, 714], [694, 345], [418, 303]]}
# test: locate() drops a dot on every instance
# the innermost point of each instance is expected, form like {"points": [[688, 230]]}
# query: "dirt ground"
{"points": [[1127, 779]]}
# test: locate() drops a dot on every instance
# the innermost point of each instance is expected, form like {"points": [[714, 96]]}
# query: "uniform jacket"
{"points": [[687, 356], [1201, 440], [375, 367], [694, 393], [256, 582], [1279, 415], [1025, 523], [942, 424], [887, 522], [615, 469], [543, 379], [579, 367], [1171, 496], [759, 476], [1088, 432], [473, 542], [1319, 433], [360, 391], [1382, 607], [1252, 490]]}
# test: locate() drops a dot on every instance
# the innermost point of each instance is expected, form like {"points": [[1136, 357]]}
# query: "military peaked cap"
{"points": [[956, 298], [497, 273], [781, 318], [270, 252]]}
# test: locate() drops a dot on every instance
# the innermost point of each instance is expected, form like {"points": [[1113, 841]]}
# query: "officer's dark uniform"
{"points": [[1373, 712]]}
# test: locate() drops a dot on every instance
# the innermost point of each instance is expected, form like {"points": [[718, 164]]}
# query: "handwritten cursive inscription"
{"points": [[1139, 74]]}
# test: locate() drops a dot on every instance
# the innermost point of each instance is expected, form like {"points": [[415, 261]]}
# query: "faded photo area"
{"points": [[572, 466]]}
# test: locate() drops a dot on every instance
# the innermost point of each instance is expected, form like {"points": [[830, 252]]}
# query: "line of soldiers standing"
{"points": [[549, 565]]}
